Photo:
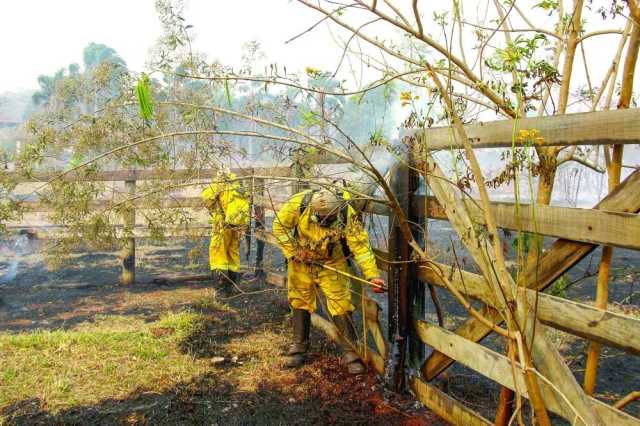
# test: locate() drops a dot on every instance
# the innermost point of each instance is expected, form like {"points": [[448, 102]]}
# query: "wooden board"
{"points": [[153, 174], [498, 368], [585, 225], [445, 406], [554, 262], [597, 226], [590, 128], [582, 320]]}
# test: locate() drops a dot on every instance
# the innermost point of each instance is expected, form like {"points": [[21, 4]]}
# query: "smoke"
{"points": [[13, 251]]}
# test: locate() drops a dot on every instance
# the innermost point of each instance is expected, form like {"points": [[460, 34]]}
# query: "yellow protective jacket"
{"points": [[229, 214], [295, 231], [228, 207]]}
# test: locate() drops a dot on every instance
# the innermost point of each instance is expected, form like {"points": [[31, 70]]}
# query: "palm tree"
{"points": [[96, 53], [47, 87]]}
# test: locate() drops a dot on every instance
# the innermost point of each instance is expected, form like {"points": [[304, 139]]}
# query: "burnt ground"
{"points": [[235, 350], [86, 288]]}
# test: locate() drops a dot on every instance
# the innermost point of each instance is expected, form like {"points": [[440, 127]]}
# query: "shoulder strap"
{"points": [[343, 214], [306, 200], [343, 217]]}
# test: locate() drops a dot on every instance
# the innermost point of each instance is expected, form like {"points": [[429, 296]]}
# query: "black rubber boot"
{"points": [[350, 358], [235, 279], [222, 283], [215, 278], [301, 326]]}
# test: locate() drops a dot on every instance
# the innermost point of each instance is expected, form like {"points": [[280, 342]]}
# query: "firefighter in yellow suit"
{"points": [[315, 228], [229, 209]]}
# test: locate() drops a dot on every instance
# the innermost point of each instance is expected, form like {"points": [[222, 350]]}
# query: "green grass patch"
{"points": [[108, 358]]}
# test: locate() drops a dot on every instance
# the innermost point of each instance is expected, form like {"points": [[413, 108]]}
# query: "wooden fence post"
{"points": [[248, 187], [297, 186], [398, 281], [128, 255], [416, 288], [258, 211]]}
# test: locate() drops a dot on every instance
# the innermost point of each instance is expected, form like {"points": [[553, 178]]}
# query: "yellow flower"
{"points": [[312, 72], [532, 135], [405, 96]]}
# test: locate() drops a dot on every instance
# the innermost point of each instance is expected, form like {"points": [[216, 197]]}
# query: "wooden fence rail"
{"points": [[135, 175], [600, 227], [590, 128], [499, 368]]}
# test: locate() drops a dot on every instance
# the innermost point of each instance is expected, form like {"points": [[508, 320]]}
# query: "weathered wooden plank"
{"points": [[585, 225], [590, 128], [52, 232], [600, 226], [372, 310], [382, 258], [603, 326], [499, 368], [582, 320], [152, 174], [143, 203], [444, 406], [546, 356], [597, 226], [554, 262], [128, 252], [332, 332], [139, 204]]}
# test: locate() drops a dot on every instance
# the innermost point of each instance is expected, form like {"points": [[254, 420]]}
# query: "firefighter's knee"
{"points": [[338, 293], [217, 254], [300, 288], [233, 250]]}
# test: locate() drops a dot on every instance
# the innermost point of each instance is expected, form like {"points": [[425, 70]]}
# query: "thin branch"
{"points": [[416, 14]]}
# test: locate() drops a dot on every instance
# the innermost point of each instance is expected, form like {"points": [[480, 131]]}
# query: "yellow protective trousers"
{"points": [[229, 215], [224, 249], [303, 281]]}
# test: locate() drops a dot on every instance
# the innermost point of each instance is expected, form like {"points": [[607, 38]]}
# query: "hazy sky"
{"points": [[41, 36]]}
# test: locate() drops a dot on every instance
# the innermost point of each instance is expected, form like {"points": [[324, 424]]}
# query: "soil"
{"points": [[246, 387], [320, 392]]}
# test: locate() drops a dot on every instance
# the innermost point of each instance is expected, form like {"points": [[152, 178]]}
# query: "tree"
{"points": [[96, 53], [47, 87]]}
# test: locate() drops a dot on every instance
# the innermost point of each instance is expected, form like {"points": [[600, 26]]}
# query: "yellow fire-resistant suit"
{"points": [[229, 215], [297, 232]]}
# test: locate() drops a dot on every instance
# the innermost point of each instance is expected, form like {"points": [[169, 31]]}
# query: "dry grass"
{"points": [[176, 355], [108, 358]]}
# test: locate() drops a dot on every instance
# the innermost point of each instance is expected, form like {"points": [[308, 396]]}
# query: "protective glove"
{"points": [[378, 285], [303, 256]]}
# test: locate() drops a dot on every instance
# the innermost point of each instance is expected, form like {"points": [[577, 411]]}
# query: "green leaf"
{"points": [[227, 92], [145, 101], [75, 160]]}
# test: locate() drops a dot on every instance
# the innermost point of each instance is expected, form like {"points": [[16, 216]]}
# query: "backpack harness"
{"points": [[342, 217]]}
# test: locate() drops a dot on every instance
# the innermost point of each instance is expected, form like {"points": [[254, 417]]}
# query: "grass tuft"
{"points": [[108, 358]]}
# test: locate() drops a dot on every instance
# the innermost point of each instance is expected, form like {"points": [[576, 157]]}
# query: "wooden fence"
{"points": [[614, 221]]}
